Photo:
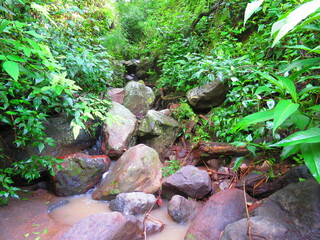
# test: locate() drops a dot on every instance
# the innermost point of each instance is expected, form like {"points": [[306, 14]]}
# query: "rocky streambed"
{"points": [[204, 202]]}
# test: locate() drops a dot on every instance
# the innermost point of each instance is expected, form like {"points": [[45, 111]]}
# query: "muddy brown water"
{"points": [[28, 218]]}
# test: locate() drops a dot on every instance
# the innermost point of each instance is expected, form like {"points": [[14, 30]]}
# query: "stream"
{"points": [[82, 206]]}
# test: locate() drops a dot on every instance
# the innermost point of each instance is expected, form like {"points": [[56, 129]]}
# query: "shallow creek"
{"points": [[80, 207]]}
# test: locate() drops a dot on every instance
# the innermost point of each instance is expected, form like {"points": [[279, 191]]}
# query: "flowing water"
{"points": [[83, 206]]}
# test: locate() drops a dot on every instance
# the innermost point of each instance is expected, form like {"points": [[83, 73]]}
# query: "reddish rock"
{"points": [[221, 209], [105, 226], [116, 94], [137, 170]]}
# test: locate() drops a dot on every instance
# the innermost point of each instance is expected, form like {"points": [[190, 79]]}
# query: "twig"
{"points": [[147, 215], [247, 211]]}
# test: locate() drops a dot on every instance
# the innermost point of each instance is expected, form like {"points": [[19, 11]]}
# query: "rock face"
{"points": [[137, 170], [132, 203], [190, 181], [207, 96], [105, 226], [182, 210], [116, 94], [158, 131], [221, 209], [118, 132], [291, 213], [138, 98], [79, 174]]}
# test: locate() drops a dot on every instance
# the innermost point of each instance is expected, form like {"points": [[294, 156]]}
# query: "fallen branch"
{"points": [[247, 211], [158, 201]]}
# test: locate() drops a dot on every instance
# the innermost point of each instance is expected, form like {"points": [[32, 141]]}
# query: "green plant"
{"points": [[173, 166]]}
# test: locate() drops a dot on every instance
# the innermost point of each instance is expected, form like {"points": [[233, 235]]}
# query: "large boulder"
{"points": [[183, 210], [137, 170], [208, 95], [189, 181], [221, 209], [80, 172], [105, 226], [158, 131], [133, 203], [291, 213], [138, 98], [119, 131]]}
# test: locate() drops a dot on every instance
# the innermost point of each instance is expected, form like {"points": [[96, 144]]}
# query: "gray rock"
{"points": [[291, 213], [80, 173], [158, 131], [221, 209], [190, 181], [105, 226], [119, 131], [182, 210], [133, 203], [208, 95], [295, 174], [138, 98], [137, 170]]}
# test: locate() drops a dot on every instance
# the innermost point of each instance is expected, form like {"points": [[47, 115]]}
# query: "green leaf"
{"points": [[311, 155], [237, 163], [254, 118], [3, 25], [300, 120], [300, 64], [308, 89], [315, 108], [287, 24], [40, 147], [282, 111], [289, 86], [34, 34], [12, 68], [251, 9], [16, 58], [311, 135], [288, 151]]}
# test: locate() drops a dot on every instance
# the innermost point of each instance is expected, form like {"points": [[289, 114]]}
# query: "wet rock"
{"points": [[258, 185], [79, 174], [105, 226], [295, 174], [189, 181], [208, 95], [131, 65], [221, 209], [182, 210], [133, 203], [137, 170], [153, 226], [158, 131], [291, 213], [59, 129], [116, 94], [138, 98], [119, 131]]}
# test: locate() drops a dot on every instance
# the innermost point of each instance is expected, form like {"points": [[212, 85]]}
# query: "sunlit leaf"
{"points": [[289, 86], [293, 18], [311, 156], [311, 135], [251, 9], [12, 68], [254, 118], [283, 110], [3, 24]]}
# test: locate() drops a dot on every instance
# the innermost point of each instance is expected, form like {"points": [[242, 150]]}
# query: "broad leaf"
{"points": [[300, 120], [16, 58], [287, 24], [311, 155], [315, 108], [283, 110], [311, 135], [254, 118], [3, 24], [300, 63], [12, 68], [251, 9], [288, 151], [289, 86]]}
